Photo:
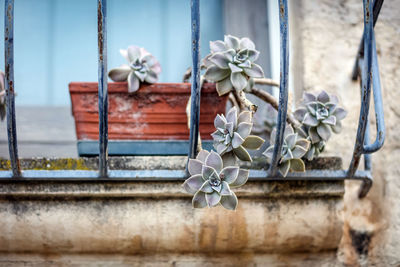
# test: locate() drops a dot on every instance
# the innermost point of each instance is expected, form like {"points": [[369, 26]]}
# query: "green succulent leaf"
{"points": [[229, 202], [216, 74], [213, 198], [238, 81], [242, 153], [224, 86], [195, 166], [203, 154], [253, 142], [225, 190], [206, 187], [194, 182], [214, 160], [241, 179], [254, 71], [120, 74], [297, 165], [229, 174], [199, 200]]}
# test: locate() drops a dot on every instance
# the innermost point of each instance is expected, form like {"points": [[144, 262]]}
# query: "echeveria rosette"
{"points": [[294, 148], [142, 67], [211, 182], [320, 116], [232, 136], [2, 97], [315, 148], [231, 64]]}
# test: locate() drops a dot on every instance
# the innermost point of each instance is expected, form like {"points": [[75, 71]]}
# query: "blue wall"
{"points": [[56, 41]]}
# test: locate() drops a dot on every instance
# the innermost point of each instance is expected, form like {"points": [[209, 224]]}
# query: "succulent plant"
{"points": [[315, 148], [231, 64], [211, 182], [320, 116], [2, 97], [142, 67], [232, 136], [293, 149]]}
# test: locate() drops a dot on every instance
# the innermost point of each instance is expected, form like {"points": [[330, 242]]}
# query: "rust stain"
{"points": [[100, 30]]}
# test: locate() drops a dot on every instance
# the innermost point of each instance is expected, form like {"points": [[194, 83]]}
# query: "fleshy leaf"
{"points": [[220, 60], [308, 97], [217, 46], [244, 116], [291, 140], [216, 74], [199, 200], [241, 179], [229, 174], [242, 153], [234, 68], [269, 152], [255, 71], [209, 172], [324, 131], [323, 97], [331, 120], [238, 81], [246, 43], [253, 54], [298, 152], [231, 116], [133, 83], [225, 190], [237, 140], [224, 86], [195, 182], [244, 129], [229, 159], [120, 74], [229, 202], [340, 113], [253, 142], [215, 161], [232, 41], [284, 168], [314, 135], [297, 165], [203, 154], [213, 199], [219, 122], [337, 128], [300, 113], [195, 166], [206, 187], [310, 120]]}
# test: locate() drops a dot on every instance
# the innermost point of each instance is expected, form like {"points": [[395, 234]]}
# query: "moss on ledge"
{"points": [[146, 163]]}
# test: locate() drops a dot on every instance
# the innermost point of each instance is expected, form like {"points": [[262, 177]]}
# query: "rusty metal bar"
{"points": [[377, 9], [10, 86], [283, 86], [196, 89], [103, 95], [365, 86]]}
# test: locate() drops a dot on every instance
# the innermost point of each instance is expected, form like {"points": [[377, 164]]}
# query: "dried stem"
{"points": [[266, 81], [272, 101], [244, 103]]}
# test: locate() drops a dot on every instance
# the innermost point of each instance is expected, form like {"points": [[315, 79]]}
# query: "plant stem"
{"points": [[272, 101], [266, 81]]}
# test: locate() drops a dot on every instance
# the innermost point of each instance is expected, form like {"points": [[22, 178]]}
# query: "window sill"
{"points": [[127, 216]]}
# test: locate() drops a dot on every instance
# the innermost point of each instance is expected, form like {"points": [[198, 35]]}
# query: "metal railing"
{"points": [[366, 67]]}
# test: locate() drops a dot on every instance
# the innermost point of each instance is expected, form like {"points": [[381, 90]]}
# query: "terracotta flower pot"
{"points": [[154, 112]]}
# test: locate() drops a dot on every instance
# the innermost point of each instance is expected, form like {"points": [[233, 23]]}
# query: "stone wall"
{"points": [[330, 33]]}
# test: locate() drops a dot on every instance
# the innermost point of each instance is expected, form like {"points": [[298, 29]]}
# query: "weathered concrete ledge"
{"points": [[127, 217]]}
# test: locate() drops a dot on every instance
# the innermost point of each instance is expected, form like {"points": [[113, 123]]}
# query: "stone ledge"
{"points": [[155, 217]]}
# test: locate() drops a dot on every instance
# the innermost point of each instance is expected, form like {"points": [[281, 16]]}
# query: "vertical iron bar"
{"points": [[195, 93], [283, 86], [377, 92], [366, 87], [9, 86], [377, 9], [103, 95]]}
